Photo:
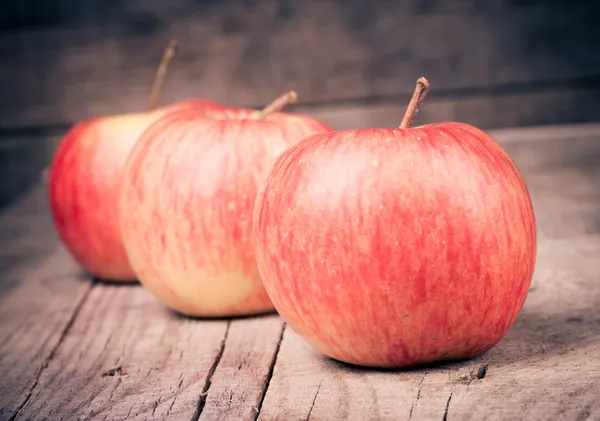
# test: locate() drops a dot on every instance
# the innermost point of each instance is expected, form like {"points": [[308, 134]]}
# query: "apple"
{"points": [[187, 199], [397, 247], [84, 180]]}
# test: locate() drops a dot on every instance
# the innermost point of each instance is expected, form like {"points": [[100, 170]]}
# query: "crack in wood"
{"points": [[104, 348], [114, 372], [175, 396], [445, 416], [211, 372], [112, 392], [475, 375], [8, 337], [155, 406], [52, 353], [412, 407], [584, 414], [481, 371], [312, 405], [270, 373], [172, 403]]}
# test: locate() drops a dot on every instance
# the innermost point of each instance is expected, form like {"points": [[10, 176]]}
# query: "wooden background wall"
{"points": [[491, 63]]}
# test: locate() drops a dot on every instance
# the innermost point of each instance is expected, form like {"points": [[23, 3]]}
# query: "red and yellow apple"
{"points": [[84, 181], [187, 199], [397, 247]]}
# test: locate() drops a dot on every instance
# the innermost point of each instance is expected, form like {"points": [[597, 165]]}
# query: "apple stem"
{"points": [[288, 98], [415, 102], [159, 79]]}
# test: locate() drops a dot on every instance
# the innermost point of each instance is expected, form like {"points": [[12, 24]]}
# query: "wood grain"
{"points": [[91, 59], [242, 376], [72, 348], [555, 106], [562, 178], [127, 357], [41, 291], [22, 159], [25, 151]]}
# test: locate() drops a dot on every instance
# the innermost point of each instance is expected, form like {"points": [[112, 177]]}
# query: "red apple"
{"points": [[397, 247], [84, 180], [186, 205]]}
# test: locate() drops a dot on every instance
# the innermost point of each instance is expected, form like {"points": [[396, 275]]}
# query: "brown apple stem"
{"points": [[161, 72], [415, 102], [279, 104]]}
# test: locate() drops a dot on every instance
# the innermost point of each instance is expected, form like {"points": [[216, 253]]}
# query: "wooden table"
{"points": [[71, 348]]}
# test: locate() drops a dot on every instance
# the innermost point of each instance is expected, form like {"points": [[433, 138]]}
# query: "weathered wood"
{"points": [[41, 291], [562, 175], [554, 106], [92, 59], [22, 158], [241, 378], [127, 357], [26, 232], [122, 355]]}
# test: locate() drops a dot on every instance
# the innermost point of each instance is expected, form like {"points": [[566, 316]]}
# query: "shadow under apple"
{"points": [[534, 336]]}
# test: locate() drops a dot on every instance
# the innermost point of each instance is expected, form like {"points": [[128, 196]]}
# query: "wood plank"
{"points": [[128, 357], [72, 348], [26, 231], [21, 158], [242, 376], [562, 175], [554, 106], [21, 162], [102, 60], [41, 291], [547, 367]]}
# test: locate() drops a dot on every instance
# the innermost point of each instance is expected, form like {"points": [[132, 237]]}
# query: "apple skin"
{"points": [[84, 182], [187, 201], [397, 247]]}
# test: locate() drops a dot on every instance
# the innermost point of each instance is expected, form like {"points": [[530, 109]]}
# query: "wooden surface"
{"points": [[66, 60], [71, 348], [353, 62], [21, 160]]}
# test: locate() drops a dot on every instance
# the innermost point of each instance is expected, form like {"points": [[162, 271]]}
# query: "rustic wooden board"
{"points": [[241, 379], [92, 59], [41, 291], [73, 349], [554, 106], [122, 355], [562, 174], [127, 357], [22, 159]]}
